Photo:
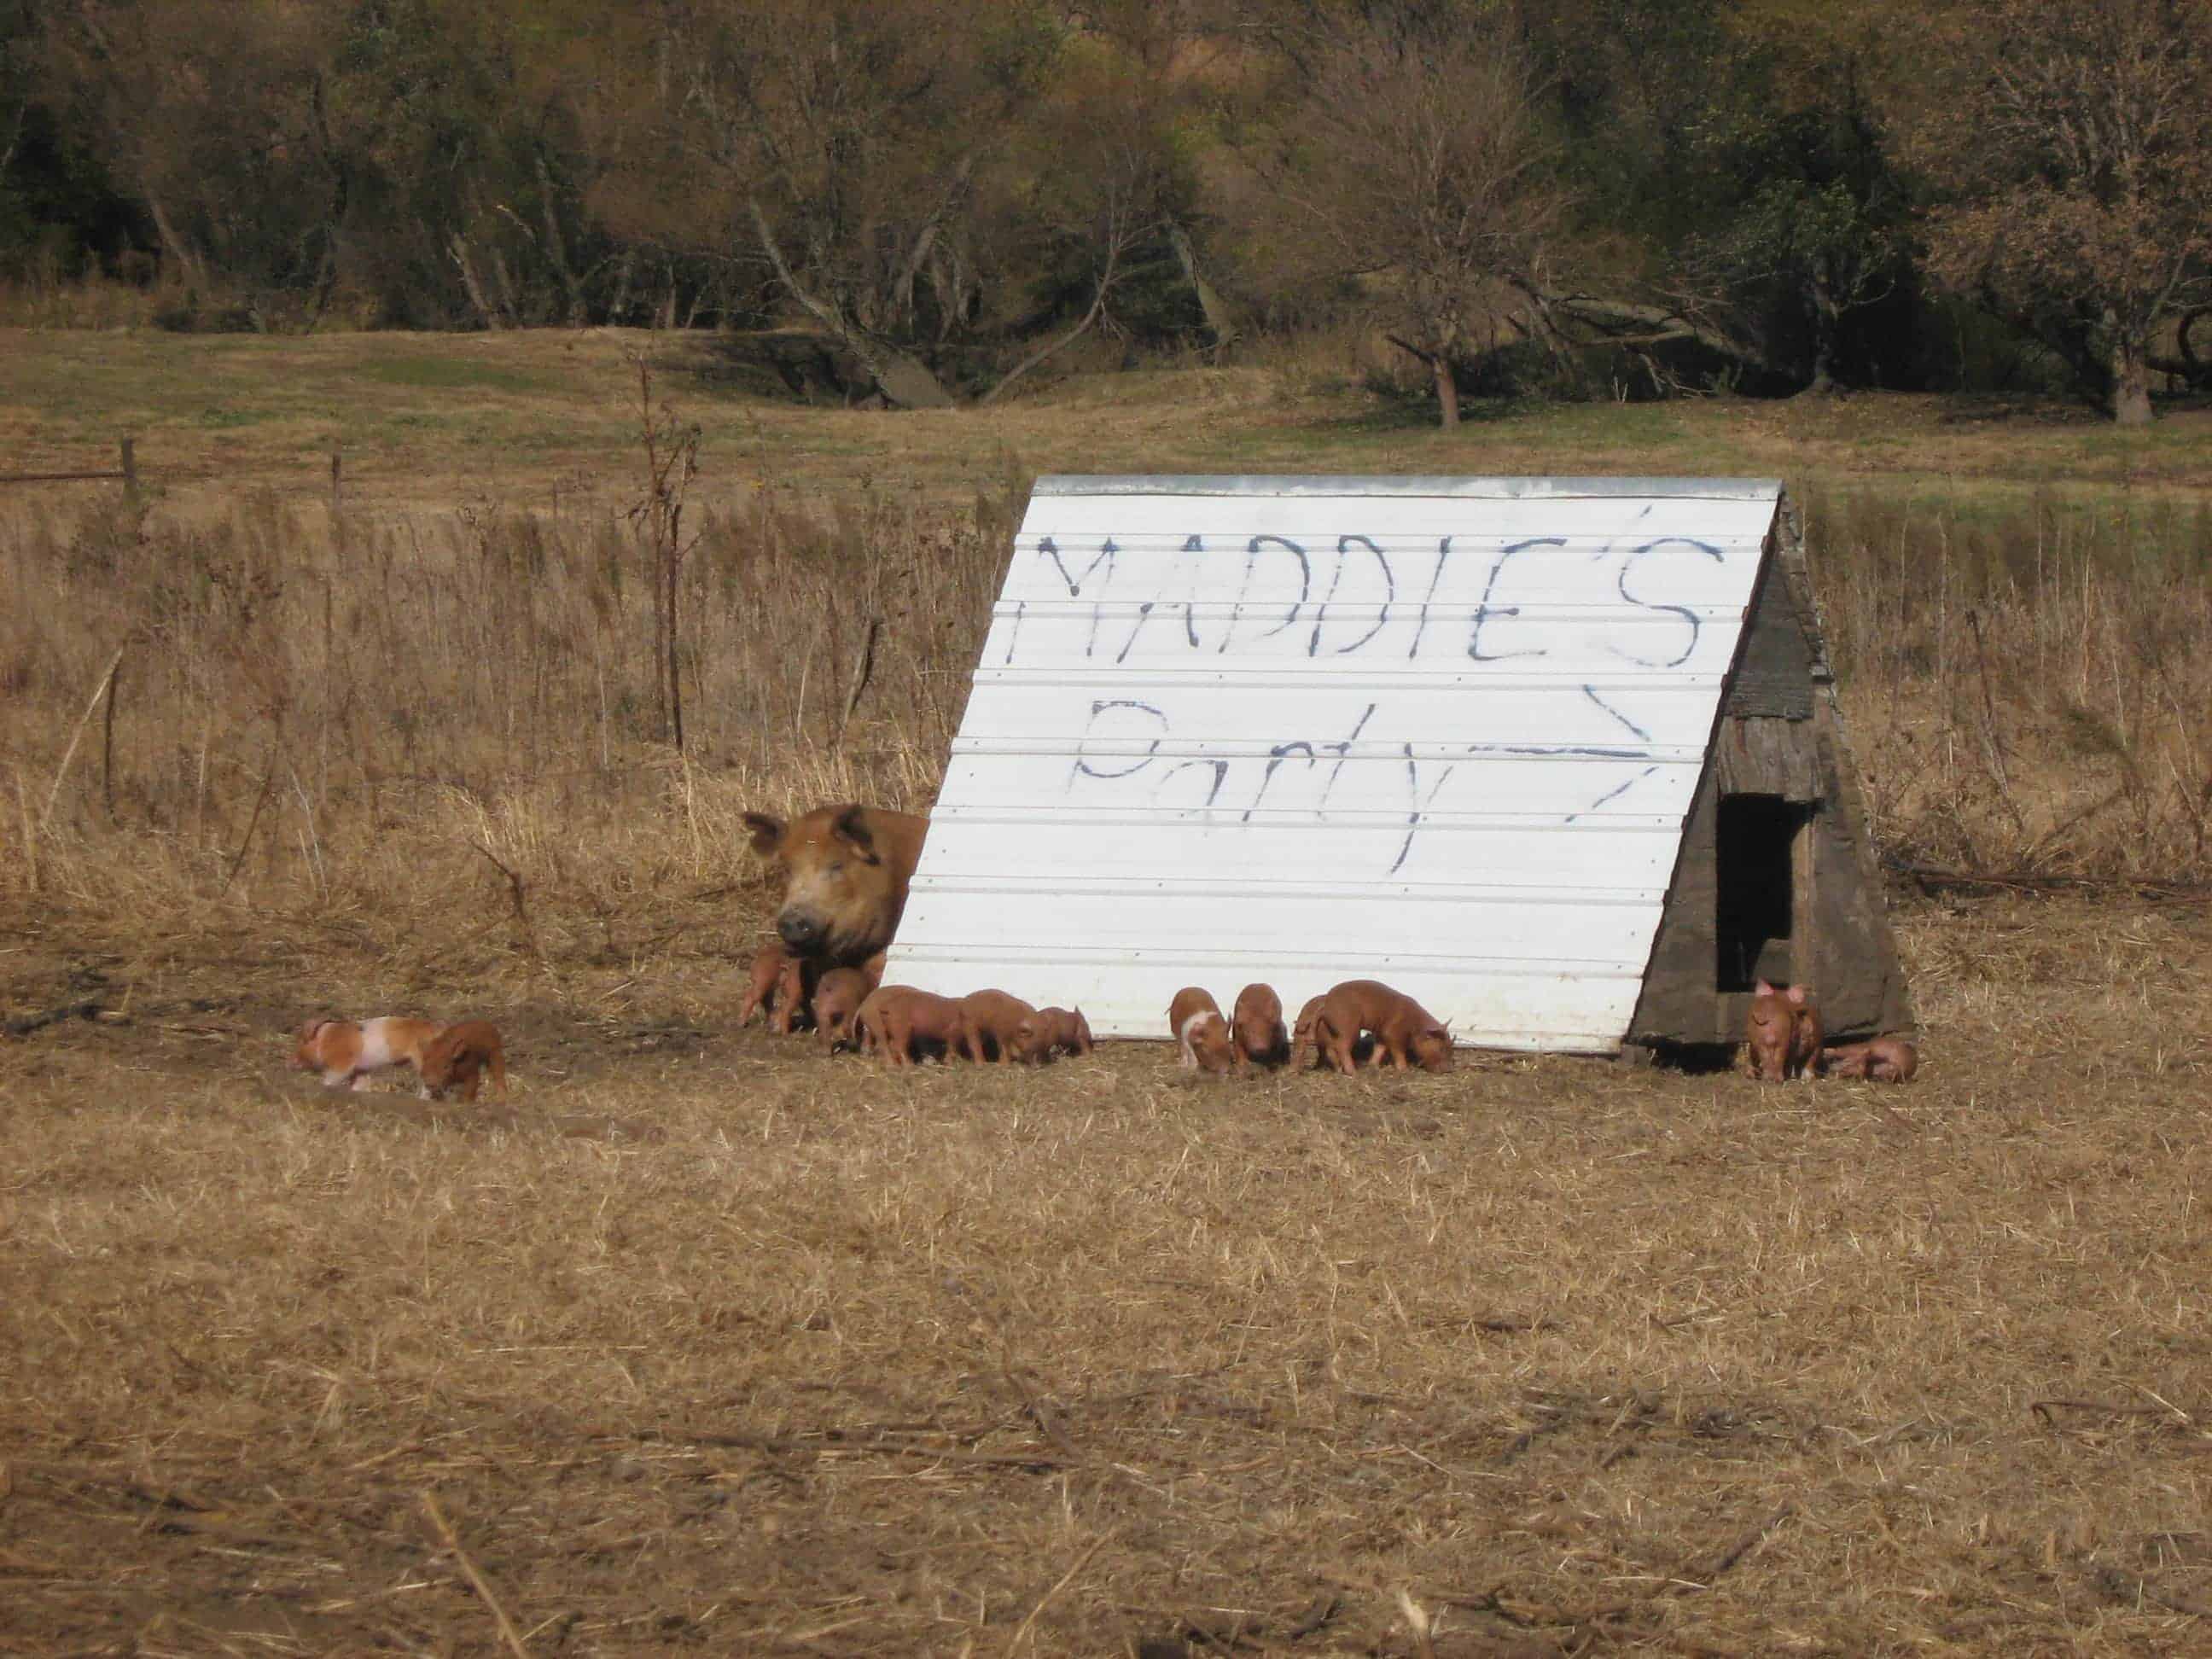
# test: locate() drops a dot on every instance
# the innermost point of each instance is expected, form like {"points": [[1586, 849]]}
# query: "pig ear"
{"points": [[850, 826], [1765, 987], [767, 833], [1796, 994]]}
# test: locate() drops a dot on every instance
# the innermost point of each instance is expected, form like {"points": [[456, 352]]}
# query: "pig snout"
{"points": [[802, 930]]}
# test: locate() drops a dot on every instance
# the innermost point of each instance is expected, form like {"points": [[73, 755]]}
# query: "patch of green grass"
{"points": [[450, 374]]}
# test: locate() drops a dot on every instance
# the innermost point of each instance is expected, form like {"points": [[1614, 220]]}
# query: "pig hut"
{"points": [[1560, 758]]}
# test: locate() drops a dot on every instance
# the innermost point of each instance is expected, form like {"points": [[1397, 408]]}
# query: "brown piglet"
{"points": [[1883, 1059], [1806, 1036], [1196, 1019], [1404, 1033], [1257, 1027], [761, 981], [1781, 1035], [1052, 1031], [794, 1010], [458, 1056], [990, 1022], [838, 995], [898, 1023]]}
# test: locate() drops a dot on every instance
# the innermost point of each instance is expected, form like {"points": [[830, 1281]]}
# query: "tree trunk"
{"points": [[1220, 317], [471, 284], [1440, 373], [2130, 383], [556, 249], [1826, 316], [15, 138], [620, 308], [1623, 323], [904, 379], [1447, 391], [509, 296], [187, 257]]}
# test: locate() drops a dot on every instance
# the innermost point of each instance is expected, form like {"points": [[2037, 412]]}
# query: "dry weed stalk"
{"points": [[670, 453]]}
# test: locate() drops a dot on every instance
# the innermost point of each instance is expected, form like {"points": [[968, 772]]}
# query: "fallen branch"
{"points": [[1621, 322]]}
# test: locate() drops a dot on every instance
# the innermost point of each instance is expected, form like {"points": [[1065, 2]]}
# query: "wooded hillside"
{"points": [[931, 199]]}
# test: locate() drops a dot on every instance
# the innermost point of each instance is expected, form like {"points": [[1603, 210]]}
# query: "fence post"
{"points": [[129, 471]]}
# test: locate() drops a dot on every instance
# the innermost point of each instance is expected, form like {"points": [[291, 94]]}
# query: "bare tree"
{"points": [[2074, 144], [851, 133], [1417, 155]]}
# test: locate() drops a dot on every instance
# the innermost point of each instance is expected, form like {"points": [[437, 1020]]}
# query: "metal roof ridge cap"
{"points": [[1522, 486]]}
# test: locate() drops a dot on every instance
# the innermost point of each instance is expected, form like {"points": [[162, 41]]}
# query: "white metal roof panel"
{"points": [[1439, 732]]}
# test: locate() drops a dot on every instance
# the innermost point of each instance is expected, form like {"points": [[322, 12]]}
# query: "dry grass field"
{"points": [[709, 1340]]}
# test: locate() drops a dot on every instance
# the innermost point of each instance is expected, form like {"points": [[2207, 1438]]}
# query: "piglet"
{"points": [[1781, 1037], [1196, 1019], [457, 1057], [838, 995], [1883, 1060], [347, 1053], [899, 1022], [761, 981], [1257, 1027], [1050, 1031], [794, 997], [990, 1022], [1404, 1031]]}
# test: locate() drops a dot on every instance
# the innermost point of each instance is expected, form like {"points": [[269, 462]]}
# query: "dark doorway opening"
{"points": [[1755, 892]]}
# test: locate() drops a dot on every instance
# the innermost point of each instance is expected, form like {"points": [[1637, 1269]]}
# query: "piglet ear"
{"points": [[1765, 987], [1796, 994]]}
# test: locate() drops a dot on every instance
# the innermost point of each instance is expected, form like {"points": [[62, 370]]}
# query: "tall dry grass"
{"points": [[313, 709], [2031, 682], [43, 292]]}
